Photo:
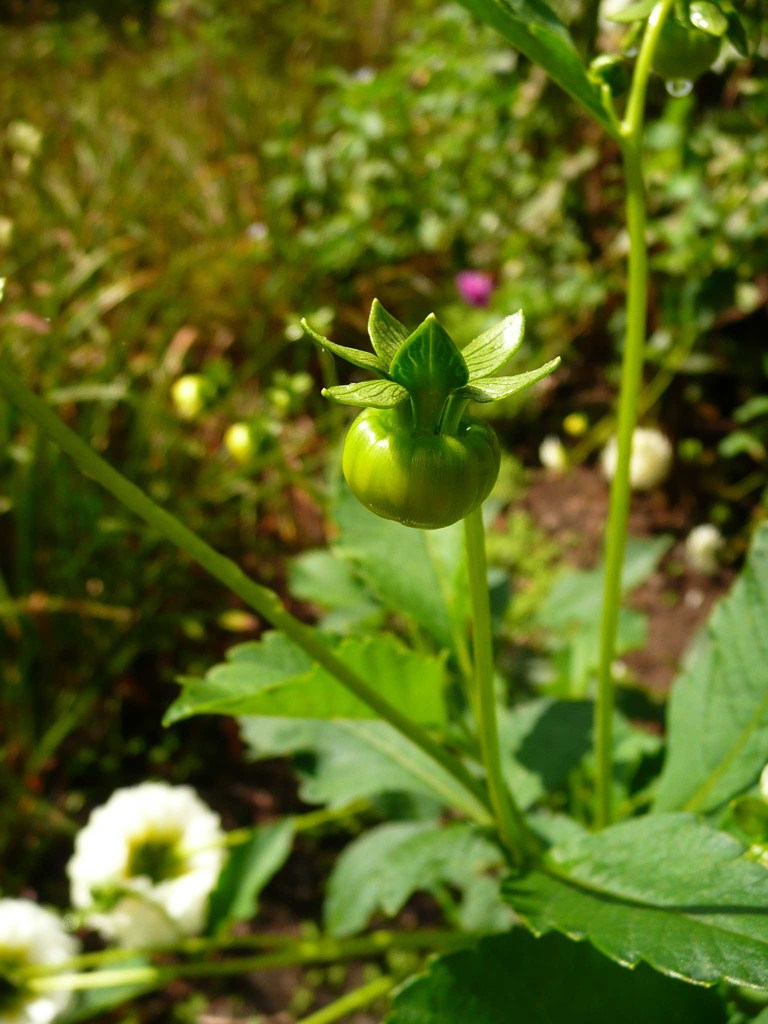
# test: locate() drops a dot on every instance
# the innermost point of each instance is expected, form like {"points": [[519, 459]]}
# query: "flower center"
{"points": [[155, 856]]}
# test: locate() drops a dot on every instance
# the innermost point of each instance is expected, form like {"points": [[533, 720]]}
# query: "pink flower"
{"points": [[475, 287]]}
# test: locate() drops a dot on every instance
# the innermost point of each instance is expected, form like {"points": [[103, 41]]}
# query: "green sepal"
{"points": [[429, 360], [493, 389], [365, 360], [633, 12], [491, 349], [386, 333], [372, 394], [707, 17]]}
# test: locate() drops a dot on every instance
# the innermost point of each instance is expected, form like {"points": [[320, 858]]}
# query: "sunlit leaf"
{"points": [[664, 889], [533, 28]]}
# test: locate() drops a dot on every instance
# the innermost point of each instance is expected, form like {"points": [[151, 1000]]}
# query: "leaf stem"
{"points": [[631, 379], [352, 1001], [509, 819], [261, 599], [311, 951]]}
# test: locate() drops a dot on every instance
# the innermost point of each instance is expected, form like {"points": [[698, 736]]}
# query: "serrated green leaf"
{"points": [[541, 742], [633, 12], [707, 17], [326, 580], [365, 360], [381, 869], [417, 582], [718, 711], [386, 333], [274, 677], [664, 889], [491, 349], [248, 868], [493, 389], [430, 367], [369, 394], [575, 599], [514, 978], [533, 28], [354, 759]]}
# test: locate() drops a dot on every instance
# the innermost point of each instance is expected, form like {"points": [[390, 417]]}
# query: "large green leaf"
{"points": [[382, 868], [718, 712], [405, 569], [541, 742], [352, 759], [248, 869], [275, 677], [332, 584], [571, 614], [516, 979], [533, 28], [665, 889]]}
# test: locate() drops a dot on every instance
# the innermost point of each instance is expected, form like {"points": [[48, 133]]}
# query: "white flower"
{"points": [[29, 937], [764, 783], [552, 454], [702, 546], [145, 864], [650, 462]]}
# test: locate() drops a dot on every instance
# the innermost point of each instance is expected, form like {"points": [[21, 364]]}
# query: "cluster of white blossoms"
{"points": [[650, 462], [145, 864], [31, 937]]}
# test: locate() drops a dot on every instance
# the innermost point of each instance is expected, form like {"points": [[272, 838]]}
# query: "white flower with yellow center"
{"points": [[30, 937], [650, 462], [145, 864]]}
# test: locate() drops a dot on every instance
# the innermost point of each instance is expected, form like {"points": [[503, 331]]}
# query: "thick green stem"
{"points": [[262, 600], [631, 379], [352, 1001], [314, 951], [509, 819]]}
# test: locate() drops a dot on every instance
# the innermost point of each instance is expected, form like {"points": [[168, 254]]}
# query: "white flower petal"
{"points": [[153, 912], [33, 936]]}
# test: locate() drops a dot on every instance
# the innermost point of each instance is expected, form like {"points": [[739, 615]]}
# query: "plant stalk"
{"points": [[260, 599], [313, 951], [352, 1001], [509, 819], [631, 379]]}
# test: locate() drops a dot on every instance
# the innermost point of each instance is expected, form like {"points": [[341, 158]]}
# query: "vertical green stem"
{"points": [[510, 822], [631, 379], [262, 600]]}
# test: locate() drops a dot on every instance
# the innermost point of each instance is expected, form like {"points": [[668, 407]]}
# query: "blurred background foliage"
{"points": [[182, 180]]}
